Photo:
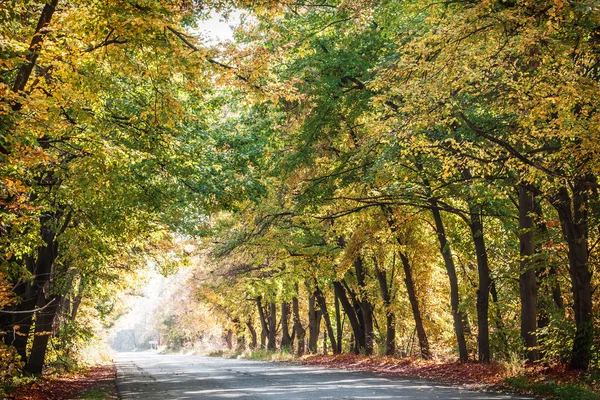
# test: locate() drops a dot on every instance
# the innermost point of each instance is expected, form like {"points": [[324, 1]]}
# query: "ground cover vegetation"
{"points": [[408, 178]]}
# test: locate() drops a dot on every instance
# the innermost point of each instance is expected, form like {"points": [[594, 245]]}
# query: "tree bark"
{"points": [[43, 330], [314, 322], [286, 339], [323, 307], [338, 323], [390, 318], [573, 215], [414, 303], [365, 306], [252, 331], [458, 316], [359, 337], [527, 278], [34, 49], [264, 332], [272, 331], [298, 328]]}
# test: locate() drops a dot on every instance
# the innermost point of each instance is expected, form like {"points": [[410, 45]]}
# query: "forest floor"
{"points": [[554, 381], [94, 383]]}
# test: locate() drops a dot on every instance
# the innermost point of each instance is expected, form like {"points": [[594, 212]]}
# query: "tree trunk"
{"points": [[414, 303], [272, 331], [229, 339], [43, 330], [365, 306], [338, 323], [314, 322], [390, 336], [252, 331], [34, 49], [298, 328], [527, 279], [458, 316], [264, 331], [286, 339], [323, 306], [359, 337], [483, 292], [573, 215]]}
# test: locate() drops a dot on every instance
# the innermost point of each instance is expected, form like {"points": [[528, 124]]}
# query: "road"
{"points": [[152, 376]]}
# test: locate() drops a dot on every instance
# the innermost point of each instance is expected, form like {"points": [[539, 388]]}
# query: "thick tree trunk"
{"points": [[298, 328], [252, 331], [323, 307], [286, 339], [359, 337], [43, 330], [390, 318], [527, 279], [458, 316], [365, 306], [573, 215], [314, 322]]}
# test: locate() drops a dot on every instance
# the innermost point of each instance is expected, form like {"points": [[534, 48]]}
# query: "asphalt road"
{"points": [[152, 376]]}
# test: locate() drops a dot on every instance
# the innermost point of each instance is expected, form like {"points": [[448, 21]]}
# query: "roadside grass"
{"points": [[96, 394], [550, 389], [567, 387]]}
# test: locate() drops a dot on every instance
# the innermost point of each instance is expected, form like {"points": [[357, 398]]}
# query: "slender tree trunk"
{"points": [[485, 282], [314, 322], [414, 303], [323, 306], [264, 332], [43, 329], [34, 49], [573, 215], [359, 337], [390, 318], [365, 306], [458, 316], [298, 328], [272, 331], [252, 331], [546, 274], [527, 279], [338, 323], [286, 339]]}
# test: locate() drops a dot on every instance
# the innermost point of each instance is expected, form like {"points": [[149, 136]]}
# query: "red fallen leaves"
{"points": [[68, 386], [444, 372]]}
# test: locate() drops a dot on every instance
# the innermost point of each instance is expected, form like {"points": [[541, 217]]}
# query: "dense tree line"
{"points": [[385, 173], [415, 138]]}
